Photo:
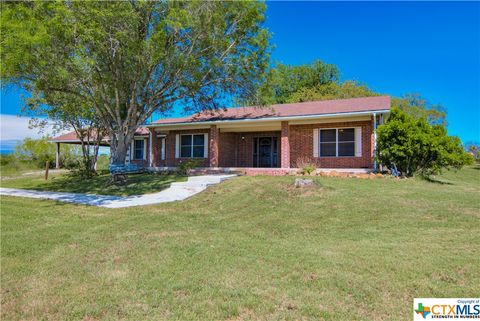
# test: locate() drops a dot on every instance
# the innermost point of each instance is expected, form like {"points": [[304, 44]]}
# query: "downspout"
{"points": [[375, 141]]}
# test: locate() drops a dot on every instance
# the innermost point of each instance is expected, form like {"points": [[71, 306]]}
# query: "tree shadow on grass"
{"points": [[434, 180], [137, 184]]}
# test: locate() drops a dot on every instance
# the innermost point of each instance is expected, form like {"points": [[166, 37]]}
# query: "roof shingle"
{"points": [[322, 107]]}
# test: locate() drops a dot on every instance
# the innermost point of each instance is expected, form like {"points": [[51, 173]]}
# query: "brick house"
{"points": [[332, 133]]}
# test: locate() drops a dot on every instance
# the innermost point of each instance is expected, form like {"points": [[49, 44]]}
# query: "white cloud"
{"points": [[17, 128]]}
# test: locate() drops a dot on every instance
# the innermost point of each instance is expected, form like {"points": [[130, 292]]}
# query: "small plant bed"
{"points": [[334, 173], [136, 184]]}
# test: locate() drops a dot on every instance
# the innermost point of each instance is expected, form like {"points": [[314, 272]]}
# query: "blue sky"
{"points": [[432, 48]]}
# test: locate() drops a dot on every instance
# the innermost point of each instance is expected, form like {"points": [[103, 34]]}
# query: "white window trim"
{"points": [[356, 141], [179, 145], [144, 149], [162, 153], [316, 144]]}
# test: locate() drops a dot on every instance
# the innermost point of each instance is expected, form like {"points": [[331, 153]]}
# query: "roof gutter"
{"points": [[268, 119], [75, 140]]}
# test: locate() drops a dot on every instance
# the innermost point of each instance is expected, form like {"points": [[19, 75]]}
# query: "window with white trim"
{"points": [[337, 142], [138, 148], [192, 146]]}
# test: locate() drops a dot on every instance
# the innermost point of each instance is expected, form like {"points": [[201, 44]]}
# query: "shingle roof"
{"points": [[72, 136], [322, 107]]}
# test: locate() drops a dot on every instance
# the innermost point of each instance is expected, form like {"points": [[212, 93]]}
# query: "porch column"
{"points": [[153, 147], [285, 146], [213, 138], [57, 157]]}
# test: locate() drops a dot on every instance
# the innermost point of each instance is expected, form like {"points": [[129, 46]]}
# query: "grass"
{"points": [[251, 248], [11, 168], [136, 184]]}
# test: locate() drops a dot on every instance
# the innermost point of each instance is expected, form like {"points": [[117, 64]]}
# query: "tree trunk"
{"points": [[119, 147]]}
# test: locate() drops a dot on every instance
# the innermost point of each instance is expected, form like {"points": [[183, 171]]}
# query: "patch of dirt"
{"points": [[180, 294], [302, 191], [288, 305], [311, 277], [73, 246]]}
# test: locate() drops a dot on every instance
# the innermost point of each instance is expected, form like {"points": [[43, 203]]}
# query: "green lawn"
{"points": [[136, 183], [251, 248]]}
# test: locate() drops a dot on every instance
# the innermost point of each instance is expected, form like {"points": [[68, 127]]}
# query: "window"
{"points": [[138, 148], [328, 142], [346, 142], [337, 142], [192, 146]]}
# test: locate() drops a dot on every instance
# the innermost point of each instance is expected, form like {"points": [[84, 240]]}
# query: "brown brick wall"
{"points": [[213, 140], [157, 151], [237, 152], [170, 147], [285, 145], [245, 147], [301, 144], [233, 151], [227, 149]]}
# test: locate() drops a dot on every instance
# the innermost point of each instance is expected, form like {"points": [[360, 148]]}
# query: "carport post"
{"points": [[57, 157]]}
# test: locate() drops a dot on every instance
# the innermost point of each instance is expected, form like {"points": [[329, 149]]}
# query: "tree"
{"points": [[129, 59], [286, 80], [415, 146], [474, 149], [309, 82], [69, 112], [320, 81], [333, 90], [418, 107], [39, 151]]}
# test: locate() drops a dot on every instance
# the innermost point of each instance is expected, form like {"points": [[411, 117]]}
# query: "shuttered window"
{"points": [[337, 142], [192, 146]]}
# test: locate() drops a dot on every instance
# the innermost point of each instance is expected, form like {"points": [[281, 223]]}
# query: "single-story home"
{"points": [[331, 133]]}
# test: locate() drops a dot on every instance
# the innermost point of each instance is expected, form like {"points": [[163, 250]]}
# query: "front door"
{"points": [[265, 152]]}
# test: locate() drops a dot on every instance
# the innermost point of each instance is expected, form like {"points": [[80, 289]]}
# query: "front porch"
{"points": [[274, 147], [214, 147]]}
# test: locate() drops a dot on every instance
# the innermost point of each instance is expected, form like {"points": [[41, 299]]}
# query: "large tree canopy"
{"points": [[286, 80], [418, 107], [129, 59], [321, 81]]}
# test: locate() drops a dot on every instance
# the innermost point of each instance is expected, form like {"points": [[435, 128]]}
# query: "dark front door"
{"points": [[265, 152]]}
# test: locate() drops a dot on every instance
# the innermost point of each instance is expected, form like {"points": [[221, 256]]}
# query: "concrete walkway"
{"points": [[176, 192]]}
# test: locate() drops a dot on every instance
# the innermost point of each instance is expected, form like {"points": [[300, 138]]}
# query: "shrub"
{"points": [[185, 167], [415, 146], [39, 151], [306, 165], [474, 150]]}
